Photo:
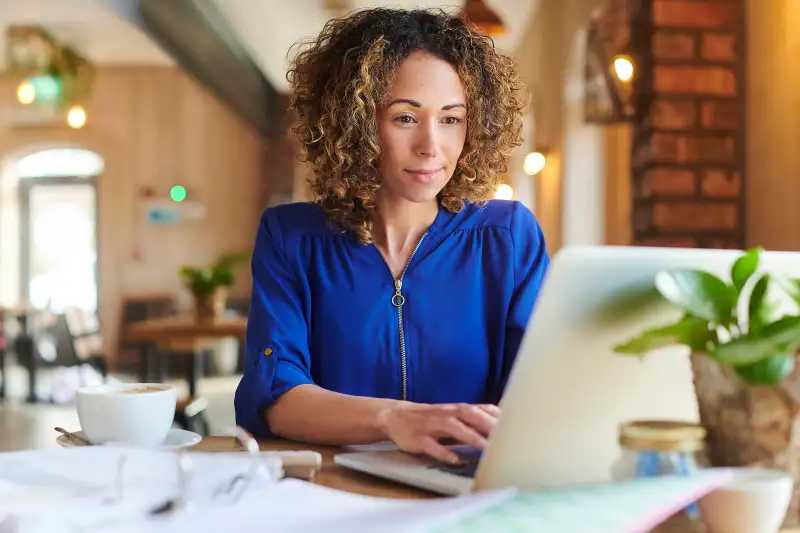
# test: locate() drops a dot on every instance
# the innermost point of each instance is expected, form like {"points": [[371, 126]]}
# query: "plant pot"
{"points": [[748, 425], [211, 307], [220, 301]]}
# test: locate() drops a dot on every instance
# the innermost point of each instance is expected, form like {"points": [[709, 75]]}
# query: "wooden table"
{"points": [[180, 334], [185, 327], [337, 477]]}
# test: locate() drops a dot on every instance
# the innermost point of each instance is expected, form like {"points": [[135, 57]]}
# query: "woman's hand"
{"points": [[418, 428]]}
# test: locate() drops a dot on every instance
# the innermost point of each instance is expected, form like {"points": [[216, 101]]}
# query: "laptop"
{"points": [[568, 391]]}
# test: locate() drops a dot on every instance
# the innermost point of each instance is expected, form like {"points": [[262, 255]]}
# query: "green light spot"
{"points": [[48, 88], [178, 193]]}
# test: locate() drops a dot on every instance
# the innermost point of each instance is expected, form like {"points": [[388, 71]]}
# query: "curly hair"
{"points": [[341, 79]]}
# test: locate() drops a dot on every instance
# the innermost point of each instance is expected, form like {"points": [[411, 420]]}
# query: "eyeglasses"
{"points": [[227, 491]]}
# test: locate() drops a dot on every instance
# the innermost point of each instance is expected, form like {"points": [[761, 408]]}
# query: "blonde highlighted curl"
{"points": [[341, 79]]}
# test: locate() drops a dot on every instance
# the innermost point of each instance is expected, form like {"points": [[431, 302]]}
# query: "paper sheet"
{"points": [[632, 506], [77, 482], [43, 492], [294, 505]]}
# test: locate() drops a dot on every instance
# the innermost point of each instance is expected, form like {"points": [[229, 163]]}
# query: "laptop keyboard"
{"points": [[464, 468]]}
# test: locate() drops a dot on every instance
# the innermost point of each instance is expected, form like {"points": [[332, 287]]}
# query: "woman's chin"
{"points": [[420, 195], [413, 191], [416, 192]]}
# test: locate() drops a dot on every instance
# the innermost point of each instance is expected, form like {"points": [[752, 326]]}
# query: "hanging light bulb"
{"points": [[623, 68], [26, 93], [504, 192], [534, 163], [76, 118], [483, 18]]}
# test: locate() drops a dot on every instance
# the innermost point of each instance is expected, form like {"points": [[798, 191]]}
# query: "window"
{"points": [[60, 162]]}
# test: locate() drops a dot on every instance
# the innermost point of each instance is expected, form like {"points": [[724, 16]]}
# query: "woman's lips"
{"points": [[424, 176]]}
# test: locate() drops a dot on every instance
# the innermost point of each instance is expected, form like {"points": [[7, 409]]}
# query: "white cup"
{"points": [[137, 414], [754, 501]]}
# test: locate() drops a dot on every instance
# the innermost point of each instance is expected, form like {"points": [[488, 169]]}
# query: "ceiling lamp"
{"points": [[48, 74], [483, 18], [615, 59]]}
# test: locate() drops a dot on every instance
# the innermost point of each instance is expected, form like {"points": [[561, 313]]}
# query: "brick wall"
{"points": [[688, 145], [279, 161], [280, 158]]}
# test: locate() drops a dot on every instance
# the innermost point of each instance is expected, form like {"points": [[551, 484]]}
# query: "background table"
{"points": [[180, 334]]}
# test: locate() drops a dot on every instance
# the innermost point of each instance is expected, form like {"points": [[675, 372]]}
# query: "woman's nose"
{"points": [[427, 141]]}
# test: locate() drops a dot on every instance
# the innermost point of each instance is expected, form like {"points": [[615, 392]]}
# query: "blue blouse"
{"points": [[326, 310]]}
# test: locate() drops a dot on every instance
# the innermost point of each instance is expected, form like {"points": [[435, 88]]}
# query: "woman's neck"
{"points": [[398, 225]]}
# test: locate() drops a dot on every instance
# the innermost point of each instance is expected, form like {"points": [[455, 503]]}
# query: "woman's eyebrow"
{"points": [[414, 103]]}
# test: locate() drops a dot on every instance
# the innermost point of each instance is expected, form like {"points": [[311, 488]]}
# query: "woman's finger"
{"points": [[476, 418], [455, 428], [441, 453], [491, 409]]}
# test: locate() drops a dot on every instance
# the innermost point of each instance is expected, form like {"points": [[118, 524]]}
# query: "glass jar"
{"points": [[658, 448]]}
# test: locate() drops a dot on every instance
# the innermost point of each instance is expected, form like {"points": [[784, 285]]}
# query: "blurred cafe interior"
{"points": [[140, 140]]}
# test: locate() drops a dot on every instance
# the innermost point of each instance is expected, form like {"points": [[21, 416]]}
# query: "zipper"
{"points": [[398, 300]]}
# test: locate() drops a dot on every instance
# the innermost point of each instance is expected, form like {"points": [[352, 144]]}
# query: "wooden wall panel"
{"points": [[156, 127]]}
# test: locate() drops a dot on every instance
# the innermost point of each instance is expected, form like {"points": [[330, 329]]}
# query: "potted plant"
{"points": [[743, 352], [209, 284]]}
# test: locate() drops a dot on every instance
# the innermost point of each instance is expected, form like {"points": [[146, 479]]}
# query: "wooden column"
{"points": [[689, 138]]}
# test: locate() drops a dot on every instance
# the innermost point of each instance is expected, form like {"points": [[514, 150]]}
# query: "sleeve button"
{"points": [[268, 351]]}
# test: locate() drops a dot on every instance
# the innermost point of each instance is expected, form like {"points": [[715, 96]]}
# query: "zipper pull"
{"points": [[397, 298]]}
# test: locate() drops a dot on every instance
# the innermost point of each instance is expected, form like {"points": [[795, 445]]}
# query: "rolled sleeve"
{"points": [[277, 356]]}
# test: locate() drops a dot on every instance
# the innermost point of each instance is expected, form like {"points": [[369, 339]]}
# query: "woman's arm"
{"points": [[312, 414]]}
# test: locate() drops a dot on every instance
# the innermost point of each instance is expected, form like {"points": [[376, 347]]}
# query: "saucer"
{"points": [[176, 439]]}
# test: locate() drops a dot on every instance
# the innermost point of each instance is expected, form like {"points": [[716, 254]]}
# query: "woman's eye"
{"points": [[404, 119], [452, 120]]}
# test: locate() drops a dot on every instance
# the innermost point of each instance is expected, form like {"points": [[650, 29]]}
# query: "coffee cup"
{"points": [[754, 501], [136, 414]]}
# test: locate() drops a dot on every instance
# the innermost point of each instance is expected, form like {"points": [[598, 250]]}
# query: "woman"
{"points": [[393, 306]]}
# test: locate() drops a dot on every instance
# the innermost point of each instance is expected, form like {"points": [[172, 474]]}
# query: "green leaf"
{"points": [[759, 310], [792, 288], [743, 351], [768, 371], [783, 333], [744, 267], [691, 331], [699, 293]]}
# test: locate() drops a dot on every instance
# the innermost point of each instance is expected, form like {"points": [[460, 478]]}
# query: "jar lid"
{"points": [[662, 435]]}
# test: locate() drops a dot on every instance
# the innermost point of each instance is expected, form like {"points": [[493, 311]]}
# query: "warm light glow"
{"points": [[26, 93], [486, 21], [504, 192], [534, 163], [623, 68], [76, 117]]}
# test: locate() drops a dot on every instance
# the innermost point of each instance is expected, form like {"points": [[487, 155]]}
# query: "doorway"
{"points": [[58, 229], [59, 257]]}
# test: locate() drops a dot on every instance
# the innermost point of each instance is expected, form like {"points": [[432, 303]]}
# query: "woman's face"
{"points": [[422, 128]]}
